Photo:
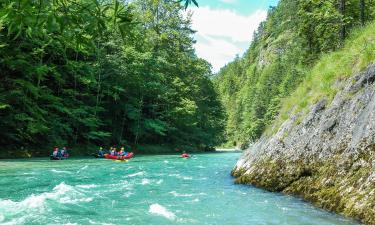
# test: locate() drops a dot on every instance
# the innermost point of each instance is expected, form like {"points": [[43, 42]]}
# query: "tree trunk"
{"points": [[342, 11], [122, 126], [362, 10], [310, 39], [99, 78]]}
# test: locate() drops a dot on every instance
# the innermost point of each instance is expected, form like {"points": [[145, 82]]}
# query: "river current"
{"points": [[145, 190]]}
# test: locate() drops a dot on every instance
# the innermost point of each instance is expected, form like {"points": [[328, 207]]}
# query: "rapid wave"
{"points": [[29, 173], [83, 168], [179, 176], [145, 181], [174, 193], [161, 211], [159, 181], [94, 222], [87, 186], [136, 174], [128, 194], [60, 171], [38, 205]]}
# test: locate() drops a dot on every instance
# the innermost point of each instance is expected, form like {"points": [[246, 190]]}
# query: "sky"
{"points": [[225, 27]]}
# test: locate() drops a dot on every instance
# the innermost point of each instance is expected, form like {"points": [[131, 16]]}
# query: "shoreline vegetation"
{"points": [[143, 149]]}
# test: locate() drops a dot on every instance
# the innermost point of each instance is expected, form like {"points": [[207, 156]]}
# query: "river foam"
{"points": [[136, 174], [60, 171], [81, 169], [174, 193], [161, 211], [35, 205]]}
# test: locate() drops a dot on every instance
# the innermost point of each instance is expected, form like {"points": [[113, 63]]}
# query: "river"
{"points": [[146, 190]]}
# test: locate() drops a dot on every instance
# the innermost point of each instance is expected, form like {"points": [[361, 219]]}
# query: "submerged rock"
{"points": [[328, 158]]}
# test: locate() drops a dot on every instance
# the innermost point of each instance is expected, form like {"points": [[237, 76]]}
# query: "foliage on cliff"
{"points": [[285, 48], [355, 56], [86, 72]]}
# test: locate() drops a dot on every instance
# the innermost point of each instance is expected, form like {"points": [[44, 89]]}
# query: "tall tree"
{"points": [[362, 7], [342, 9]]}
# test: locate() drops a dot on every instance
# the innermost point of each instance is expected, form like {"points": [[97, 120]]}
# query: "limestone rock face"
{"points": [[328, 158]]}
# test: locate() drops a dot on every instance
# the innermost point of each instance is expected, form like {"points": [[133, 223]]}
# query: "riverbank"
{"points": [[228, 150], [89, 150]]}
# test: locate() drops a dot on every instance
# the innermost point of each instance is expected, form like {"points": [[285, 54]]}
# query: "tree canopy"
{"points": [[90, 72]]}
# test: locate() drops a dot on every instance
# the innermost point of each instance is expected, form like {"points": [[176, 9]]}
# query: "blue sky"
{"points": [[243, 7], [225, 27]]}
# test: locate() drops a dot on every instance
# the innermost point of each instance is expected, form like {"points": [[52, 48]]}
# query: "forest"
{"points": [[88, 73], [294, 38]]}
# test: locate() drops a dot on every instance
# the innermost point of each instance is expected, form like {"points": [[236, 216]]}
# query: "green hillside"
{"points": [[301, 41]]}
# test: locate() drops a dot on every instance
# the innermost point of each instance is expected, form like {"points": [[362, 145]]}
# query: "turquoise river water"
{"points": [[146, 190]]}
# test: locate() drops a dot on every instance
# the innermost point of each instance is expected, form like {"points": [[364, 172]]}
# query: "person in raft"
{"points": [[55, 152], [114, 152], [101, 153], [184, 154], [64, 152], [123, 152]]}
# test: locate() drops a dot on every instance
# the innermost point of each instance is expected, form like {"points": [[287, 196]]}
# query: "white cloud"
{"points": [[222, 34], [228, 1]]}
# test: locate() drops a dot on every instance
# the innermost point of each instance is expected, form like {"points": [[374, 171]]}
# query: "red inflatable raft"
{"points": [[185, 155], [128, 156]]}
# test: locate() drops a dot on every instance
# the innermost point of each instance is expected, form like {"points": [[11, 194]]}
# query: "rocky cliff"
{"points": [[327, 157]]}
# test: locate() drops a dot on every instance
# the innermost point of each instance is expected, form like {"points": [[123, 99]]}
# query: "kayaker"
{"points": [[185, 155], [62, 152]]}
